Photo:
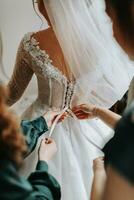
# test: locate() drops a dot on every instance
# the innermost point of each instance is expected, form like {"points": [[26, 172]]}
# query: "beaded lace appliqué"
{"points": [[31, 45], [42, 59]]}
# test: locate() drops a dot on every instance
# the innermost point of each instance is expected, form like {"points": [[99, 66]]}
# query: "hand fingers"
{"points": [[65, 115], [82, 117], [48, 140], [79, 106], [98, 162], [86, 115], [51, 141], [61, 119], [81, 109], [79, 112], [99, 159], [76, 109]]}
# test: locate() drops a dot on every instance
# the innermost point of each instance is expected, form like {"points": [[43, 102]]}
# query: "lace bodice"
{"points": [[54, 89]]}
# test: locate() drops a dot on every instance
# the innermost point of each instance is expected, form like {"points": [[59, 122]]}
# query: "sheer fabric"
{"points": [[84, 32]]}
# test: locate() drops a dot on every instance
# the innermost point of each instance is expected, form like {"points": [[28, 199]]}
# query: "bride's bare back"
{"points": [[48, 42]]}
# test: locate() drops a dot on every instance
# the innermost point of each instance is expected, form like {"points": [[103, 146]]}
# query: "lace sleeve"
{"points": [[21, 76]]}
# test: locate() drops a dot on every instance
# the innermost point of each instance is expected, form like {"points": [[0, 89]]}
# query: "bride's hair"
{"points": [[12, 142], [41, 9], [35, 10], [125, 15]]}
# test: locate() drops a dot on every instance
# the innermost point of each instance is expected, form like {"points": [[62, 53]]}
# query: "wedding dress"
{"points": [[79, 142]]}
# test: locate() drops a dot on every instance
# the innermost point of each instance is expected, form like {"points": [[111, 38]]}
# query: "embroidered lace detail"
{"points": [[42, 59]]}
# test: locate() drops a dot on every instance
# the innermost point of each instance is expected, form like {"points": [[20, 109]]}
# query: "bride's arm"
{"points": [[21, 76], [89, 111]]}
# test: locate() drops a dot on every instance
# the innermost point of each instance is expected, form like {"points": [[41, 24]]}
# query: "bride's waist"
{"points": [[39, 104]]}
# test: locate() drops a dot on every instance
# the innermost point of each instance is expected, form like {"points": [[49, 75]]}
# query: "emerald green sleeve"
{"points": [[32, 130], [39, 186], [44, 184]]}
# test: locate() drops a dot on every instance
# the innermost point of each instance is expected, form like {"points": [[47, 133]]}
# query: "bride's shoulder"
{"points": [[43, 33], [27, 36], [25, 39], [43, 36], [39, 39], [35, 38], [38, 36]]}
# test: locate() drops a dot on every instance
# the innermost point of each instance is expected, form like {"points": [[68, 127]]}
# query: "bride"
{"points": [[76, 60]]}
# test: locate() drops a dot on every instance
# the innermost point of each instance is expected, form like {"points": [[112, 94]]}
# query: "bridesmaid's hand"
{"points": [[98, 165], [51, 115], [85, 111], [47, 149]]}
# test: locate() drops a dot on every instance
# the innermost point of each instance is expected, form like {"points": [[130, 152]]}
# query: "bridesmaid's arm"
{"points": [[32, 130], [44, 185], [99, 179], [89, 111], [107, 116], [40, 185]]}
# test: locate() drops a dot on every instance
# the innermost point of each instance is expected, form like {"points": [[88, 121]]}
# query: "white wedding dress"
{"points": [[79, 142]]}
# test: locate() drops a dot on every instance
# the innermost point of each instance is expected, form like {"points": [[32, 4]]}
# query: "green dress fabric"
{"points": [[40, 185]]}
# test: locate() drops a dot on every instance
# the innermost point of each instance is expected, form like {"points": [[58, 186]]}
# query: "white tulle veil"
{"points": [[102, 70]]}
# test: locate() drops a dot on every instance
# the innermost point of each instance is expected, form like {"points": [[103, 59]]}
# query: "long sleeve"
{"points": [[21, 76], [43, 183], [40, 185], [32, 130]]}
